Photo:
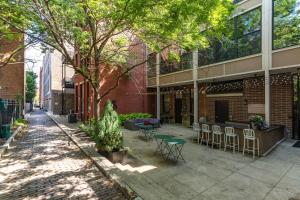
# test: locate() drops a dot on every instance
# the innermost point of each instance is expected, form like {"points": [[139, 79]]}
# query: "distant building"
{"points": [[56, 84]]}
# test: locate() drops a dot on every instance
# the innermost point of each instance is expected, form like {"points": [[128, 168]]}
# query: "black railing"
{"points": [[10, 110], [186, 62]]}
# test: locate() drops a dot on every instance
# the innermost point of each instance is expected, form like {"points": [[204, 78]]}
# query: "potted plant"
{"points": [[109, 137], [256, 121]]}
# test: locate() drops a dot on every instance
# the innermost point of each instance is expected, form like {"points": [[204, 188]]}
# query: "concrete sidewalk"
{"points": [[208, 173]]}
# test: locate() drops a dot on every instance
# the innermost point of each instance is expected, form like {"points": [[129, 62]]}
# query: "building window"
{"points": [[151, 69], [242, 38], [286, 23], [170, 66]]}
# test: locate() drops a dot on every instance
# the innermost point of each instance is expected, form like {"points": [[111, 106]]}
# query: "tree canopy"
{"points": [[103, 32]]}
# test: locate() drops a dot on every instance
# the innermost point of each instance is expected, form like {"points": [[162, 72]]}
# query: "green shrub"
{"points": [[124, 117], [108, 135], [90, 127], [20, 122]]}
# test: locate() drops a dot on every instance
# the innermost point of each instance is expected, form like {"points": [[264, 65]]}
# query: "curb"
{"points": [[101, 163], [5, 146], [8, 142]]}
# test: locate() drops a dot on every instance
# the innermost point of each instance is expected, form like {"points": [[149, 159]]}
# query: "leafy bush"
{"points": [[20, 122], [108, 135], [90, 127], [124, 117]]}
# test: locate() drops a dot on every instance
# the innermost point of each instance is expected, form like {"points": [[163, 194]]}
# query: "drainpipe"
{"points": [[157, 87], [195, 76], [267, 15]]}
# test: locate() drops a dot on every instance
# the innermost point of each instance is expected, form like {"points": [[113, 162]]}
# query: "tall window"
{"points": [[169, 66], [286, 23], [242, 38], [151, 70]]}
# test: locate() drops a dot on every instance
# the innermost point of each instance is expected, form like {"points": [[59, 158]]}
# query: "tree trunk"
{"points": [[96, 102]]}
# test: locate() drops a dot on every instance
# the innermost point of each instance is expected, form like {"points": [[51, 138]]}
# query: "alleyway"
{"points": [[42, 165]]}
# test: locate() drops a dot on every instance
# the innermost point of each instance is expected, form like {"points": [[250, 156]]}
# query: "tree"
{"points": [[109, 137], [102, 32], [30, 86]]}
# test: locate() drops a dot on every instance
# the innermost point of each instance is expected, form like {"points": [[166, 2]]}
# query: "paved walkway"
{"points": [[208, 174], [42, 165]]}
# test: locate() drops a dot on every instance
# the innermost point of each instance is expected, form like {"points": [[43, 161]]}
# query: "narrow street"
{"points": [[41, 165]]}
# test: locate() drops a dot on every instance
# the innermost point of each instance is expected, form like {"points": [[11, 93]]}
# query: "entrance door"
{"points": [[296, 107], [178, 110], [221, 111]]}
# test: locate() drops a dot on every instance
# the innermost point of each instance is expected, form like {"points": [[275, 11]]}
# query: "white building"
{"points": [[57, 94]]}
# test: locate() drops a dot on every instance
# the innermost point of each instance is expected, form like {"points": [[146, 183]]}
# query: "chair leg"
{"points": [[244, 146], [253, 149], [198, 137], [257, 147], [213, 140], [238, 143], [220, 141], [207, 138], [225, 142]]}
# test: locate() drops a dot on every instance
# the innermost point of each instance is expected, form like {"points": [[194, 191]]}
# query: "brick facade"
{"points": [[12, 76], [129, 96], [281, 102]]}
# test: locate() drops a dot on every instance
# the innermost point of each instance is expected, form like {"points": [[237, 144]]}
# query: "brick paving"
{"points": [[41, 165]]}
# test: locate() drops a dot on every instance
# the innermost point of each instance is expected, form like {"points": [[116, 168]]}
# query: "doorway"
{"points": [[221, 111], [296, 106], [178, 110]]}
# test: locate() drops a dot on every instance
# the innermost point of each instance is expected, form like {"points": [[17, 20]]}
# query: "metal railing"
{"points": [[10, 110]]}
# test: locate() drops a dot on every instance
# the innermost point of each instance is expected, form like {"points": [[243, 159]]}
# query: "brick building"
{"points": [[12, 75], [130, 95], [256, 73]]}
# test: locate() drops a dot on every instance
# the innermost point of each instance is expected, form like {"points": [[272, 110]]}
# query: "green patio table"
{"points": [[147, 130], [174, 147], [159, 138]]}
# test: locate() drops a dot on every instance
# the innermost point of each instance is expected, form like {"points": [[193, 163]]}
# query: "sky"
{"points": [[34, 59]]}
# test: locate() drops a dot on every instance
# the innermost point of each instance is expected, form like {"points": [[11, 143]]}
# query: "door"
{"points": [[221, 111], [178, 110], [296, 107]]}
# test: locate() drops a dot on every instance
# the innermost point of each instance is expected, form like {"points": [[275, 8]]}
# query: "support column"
{"points": [[157, 87], [196, 92], [267, 51]]}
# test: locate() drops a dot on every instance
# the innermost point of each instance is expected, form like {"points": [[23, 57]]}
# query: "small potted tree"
{"points": [[109, 137]]}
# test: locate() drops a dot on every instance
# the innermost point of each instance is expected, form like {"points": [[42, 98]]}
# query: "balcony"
{"points": [[186, 62], [68, 83]]}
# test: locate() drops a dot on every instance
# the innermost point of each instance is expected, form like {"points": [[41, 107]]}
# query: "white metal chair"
{"points": [[196, 131], [216, 136], [205, 132], [249, 136], [230, 134]]}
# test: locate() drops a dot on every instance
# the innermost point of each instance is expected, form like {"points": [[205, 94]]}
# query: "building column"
{"points": [[196, 92], [157, 86], [267, 15]]}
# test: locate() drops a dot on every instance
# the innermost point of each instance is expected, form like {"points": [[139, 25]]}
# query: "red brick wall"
{"points": [[129, 96], [281, 102], [12, 76]]}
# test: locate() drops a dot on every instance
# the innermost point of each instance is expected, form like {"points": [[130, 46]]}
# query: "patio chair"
{"points": [[205, 132], [196, 131], [249, 136], [216, 136], [230, 134]]}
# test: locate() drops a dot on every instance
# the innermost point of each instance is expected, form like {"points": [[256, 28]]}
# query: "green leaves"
{"points": [[30, 85]]}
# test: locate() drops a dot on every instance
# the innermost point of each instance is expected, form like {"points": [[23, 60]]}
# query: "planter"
{"points": [[115, 156]]}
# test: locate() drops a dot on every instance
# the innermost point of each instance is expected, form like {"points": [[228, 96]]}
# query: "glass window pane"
{"points": [[286, 30]]}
